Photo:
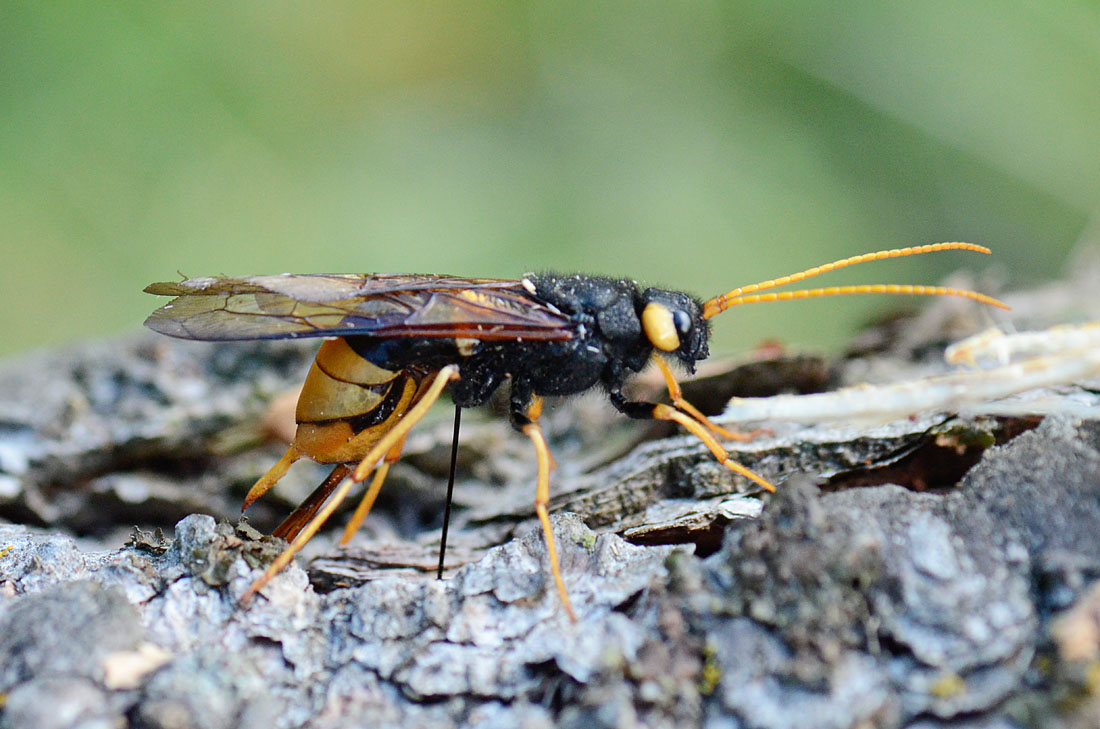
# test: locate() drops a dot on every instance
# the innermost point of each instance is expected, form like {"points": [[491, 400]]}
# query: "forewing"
{"points": [[321, 305]]}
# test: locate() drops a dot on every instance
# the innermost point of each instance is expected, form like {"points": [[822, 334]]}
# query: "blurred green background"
{"points": [[695, 145]]}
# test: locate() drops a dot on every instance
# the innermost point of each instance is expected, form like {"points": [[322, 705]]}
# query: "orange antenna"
{"points": [[748, 295]]}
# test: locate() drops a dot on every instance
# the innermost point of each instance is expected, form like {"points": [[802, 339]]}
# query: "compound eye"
{"points": [[660, 327], [682, 321]]}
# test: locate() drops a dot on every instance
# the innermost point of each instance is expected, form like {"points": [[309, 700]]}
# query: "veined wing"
{"points": [[325, 305]]}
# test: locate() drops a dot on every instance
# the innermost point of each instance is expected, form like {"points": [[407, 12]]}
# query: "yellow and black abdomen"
{"points": [[348, 403]]}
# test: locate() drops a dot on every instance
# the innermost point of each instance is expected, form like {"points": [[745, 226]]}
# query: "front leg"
{"points": [[677, 397], [641, 410]]}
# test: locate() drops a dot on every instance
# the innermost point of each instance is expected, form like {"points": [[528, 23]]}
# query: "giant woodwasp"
{"points": [[395, 342]]}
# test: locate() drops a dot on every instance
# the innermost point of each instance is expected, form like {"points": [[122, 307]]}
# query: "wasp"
{"points": [[393, 343]]}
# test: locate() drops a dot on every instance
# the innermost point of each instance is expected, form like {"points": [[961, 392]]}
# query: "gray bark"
{"points": [[911, 574]]}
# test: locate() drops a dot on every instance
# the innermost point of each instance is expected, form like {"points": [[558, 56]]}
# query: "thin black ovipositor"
{"points": [[450, 493]]}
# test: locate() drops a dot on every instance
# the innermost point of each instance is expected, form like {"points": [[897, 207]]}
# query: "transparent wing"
{"points": [[325, 305]]}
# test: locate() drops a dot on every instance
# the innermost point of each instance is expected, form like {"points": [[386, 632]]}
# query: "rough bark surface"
{"points": [[930, 572]]}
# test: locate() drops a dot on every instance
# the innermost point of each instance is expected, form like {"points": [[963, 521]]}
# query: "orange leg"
{"points": [[367, 501], [664, 412], [384, 445], [542, 501], [678, 400]]}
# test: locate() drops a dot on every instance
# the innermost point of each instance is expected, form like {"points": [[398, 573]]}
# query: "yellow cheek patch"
{"points": [[659, 327]]}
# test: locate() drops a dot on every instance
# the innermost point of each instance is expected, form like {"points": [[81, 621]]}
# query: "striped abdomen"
{"points": [[348, 403]]}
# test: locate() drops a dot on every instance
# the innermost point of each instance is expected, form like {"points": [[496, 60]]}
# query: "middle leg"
{"points": [[528, 424], [677, 397], [642, 410]]}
